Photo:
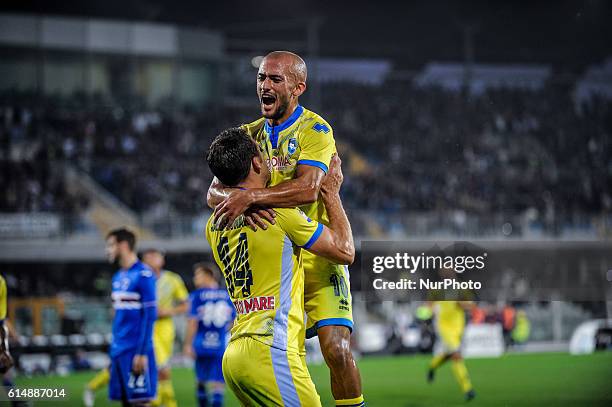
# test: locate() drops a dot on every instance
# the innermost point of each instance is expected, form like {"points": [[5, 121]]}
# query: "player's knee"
{"points": [[456, 356], [336, 349]]}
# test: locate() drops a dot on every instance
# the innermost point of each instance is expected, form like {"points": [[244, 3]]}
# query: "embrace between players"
{"points": [[280, 263]]}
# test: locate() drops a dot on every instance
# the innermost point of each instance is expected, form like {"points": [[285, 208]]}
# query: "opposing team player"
{"points": [[172, 296], [133, 372], [298, 145], [210, 317], [264, 364]]}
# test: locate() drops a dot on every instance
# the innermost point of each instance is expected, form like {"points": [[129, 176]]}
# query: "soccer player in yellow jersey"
{"points": [[172, 299], [264, 364], [298, 145], [449, 325], [6, 361]]}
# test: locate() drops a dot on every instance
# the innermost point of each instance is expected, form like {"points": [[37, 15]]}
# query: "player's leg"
{"points": [[462, 376], [345, 379], [328, 304], [165, 389], [260, 375], [217, 390], [99, 380], [201, 369], [215, 380], [436, 362], [163, 343]]}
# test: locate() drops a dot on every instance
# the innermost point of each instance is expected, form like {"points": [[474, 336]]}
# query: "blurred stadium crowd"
{"points": [[405, 148]]}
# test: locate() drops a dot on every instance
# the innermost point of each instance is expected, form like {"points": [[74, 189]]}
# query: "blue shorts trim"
{"points": [[312, 331]]}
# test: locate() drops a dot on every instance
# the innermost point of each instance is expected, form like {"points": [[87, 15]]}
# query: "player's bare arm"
{"points": [[178, 309], [336, 240], [192, 327], [301, 190]]}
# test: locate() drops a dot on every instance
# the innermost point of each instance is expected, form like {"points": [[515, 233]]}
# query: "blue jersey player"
{"points": [[133, 374], [210, 317]]}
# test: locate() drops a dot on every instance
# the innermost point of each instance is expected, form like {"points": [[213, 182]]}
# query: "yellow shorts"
{"points": [[449, 339], [327, 294], [260, 375], [163, 341]]}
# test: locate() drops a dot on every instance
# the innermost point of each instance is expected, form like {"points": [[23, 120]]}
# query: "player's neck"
{"points": [[285, 116], [128, 261], [251, 182]]}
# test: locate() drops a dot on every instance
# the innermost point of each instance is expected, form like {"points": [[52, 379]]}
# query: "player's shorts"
{"points": [[260, 375], [209, 368], [327, 294], [125, 386], [449, 339], [163, 341]]}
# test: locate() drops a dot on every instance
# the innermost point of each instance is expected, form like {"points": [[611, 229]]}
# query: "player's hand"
{"points": [[6, 362], [334, 178], [188, 351], [232, 207], [139, 364], [257, 217]]}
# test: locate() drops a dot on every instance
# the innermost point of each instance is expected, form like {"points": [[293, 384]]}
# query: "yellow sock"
{"points": [[167, 393], [437, 361], [99, 380], [462, 375], [356, 402]]}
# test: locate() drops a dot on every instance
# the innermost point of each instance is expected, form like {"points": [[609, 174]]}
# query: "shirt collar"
{"points": [[287, 123]]}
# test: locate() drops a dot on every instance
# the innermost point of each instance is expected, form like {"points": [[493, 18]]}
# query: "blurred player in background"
{"points": [[210, 318], [449, 326], [6, 361], [264, 363], [133, 372], [298, 145], [172, 299]]}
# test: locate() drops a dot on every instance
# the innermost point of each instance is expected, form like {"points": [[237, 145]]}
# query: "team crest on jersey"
{"points": [[292, 146]]}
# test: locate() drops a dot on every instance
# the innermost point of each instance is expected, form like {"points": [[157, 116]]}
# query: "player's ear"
{"points": [[300, 88], [257, 163]]}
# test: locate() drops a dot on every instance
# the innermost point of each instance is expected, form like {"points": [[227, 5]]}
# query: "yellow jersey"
{"points": [[264, 276], [3, 299], [303, 139], [169, 290]]}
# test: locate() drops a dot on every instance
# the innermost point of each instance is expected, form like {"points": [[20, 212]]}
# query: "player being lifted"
{"points": [[265, 364], [210, 317], [298, 145], [172, 298], [133, 373]]}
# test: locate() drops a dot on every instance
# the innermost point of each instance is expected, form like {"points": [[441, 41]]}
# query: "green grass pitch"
{"points": [[512, 380]]}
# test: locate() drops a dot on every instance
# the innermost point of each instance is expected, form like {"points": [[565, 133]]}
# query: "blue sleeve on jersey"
{"points": [[146, 288], [314, 236], [193, 308], [314, 163]]}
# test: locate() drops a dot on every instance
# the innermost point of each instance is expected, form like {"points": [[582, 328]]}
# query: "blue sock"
{"points": [[217, 398], [7, 382], [202, 396]]}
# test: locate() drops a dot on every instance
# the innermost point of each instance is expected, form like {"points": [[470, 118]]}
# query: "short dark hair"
{"points": [[123, 235], [207, 269], [230, 154], [153, 250]]}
